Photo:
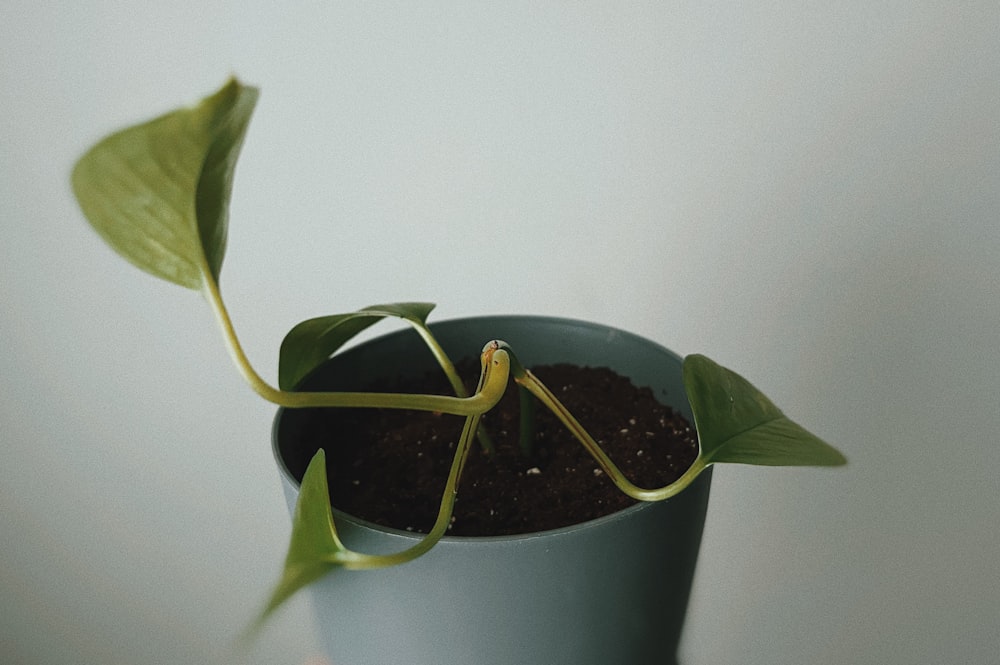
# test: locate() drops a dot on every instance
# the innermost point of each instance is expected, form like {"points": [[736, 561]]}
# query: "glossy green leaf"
{"points": [[158, 192], [311, 342], [314, 546], [737, 423]]}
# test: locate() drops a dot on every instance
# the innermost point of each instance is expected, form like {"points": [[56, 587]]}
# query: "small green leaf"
{"points": [[314, 546], [737, 423], [311, 342], [158, 192]]}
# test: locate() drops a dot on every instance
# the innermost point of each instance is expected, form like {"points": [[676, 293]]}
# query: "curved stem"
{"points": [[462, 406], [441, 357], [453, 378], [358, 561], [523, 377]]}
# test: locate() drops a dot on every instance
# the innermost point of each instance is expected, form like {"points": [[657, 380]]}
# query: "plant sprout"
{"points": [[158, 193]]}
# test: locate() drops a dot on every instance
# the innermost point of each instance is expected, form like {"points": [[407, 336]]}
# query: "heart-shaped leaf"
{"points": [[314, 543], [737, 423], [158, 192], [311, 342]]}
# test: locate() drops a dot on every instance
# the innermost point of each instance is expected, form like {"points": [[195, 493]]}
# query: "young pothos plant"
{"points": [[158, 193]]}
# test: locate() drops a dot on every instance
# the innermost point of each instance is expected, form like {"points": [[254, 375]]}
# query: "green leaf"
{"points": [[158, 192], [737, 423], [314, 546], [311, 342]]}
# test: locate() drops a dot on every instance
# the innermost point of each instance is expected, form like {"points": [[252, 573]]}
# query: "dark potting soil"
{"points": [[390, 466]]}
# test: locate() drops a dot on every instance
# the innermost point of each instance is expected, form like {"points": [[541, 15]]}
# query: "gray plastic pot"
{"points": [[612, 591]]}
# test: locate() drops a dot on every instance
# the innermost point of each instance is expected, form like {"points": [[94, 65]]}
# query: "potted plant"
{"points": [[612, 588]]}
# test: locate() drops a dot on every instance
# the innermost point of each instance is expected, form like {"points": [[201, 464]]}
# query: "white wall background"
{"points": [[806, 191]]}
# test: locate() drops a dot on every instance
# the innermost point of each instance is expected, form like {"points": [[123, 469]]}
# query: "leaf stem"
{"points": [[485, 441], [528, 381], [358, 561], [477, 404]]}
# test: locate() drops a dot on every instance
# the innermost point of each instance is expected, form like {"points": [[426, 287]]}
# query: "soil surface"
{"points": [[390, 466]]}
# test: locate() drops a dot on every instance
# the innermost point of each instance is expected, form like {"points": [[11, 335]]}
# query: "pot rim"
{"points": [[597, 522]]}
